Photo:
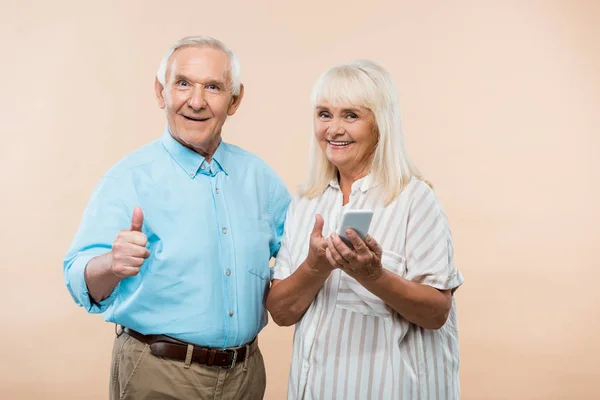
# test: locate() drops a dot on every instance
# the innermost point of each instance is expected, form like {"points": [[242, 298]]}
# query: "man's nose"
{"points": [[197, 100]]}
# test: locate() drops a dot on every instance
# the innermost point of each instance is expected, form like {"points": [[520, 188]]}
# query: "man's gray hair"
{"points": [[235, 72]]}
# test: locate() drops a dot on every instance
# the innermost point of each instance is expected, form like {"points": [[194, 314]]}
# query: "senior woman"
{"points": [[376, 319]]}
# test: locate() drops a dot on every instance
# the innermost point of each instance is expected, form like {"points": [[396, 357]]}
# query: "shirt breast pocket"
{"points": [[354, 297], [257, 238]]}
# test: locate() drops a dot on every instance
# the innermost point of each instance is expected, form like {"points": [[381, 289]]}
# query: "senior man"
{"points": [[175, 242]]}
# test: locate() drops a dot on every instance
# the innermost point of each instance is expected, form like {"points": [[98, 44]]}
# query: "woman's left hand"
{"points": [[363, 262]]}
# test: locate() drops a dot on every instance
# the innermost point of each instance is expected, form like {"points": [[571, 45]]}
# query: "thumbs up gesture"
{"points": [[129, 249], [317, 250]]}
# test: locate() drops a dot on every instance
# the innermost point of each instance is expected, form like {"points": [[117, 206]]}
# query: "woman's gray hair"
{"points": [[365, 84], [235, 71]]}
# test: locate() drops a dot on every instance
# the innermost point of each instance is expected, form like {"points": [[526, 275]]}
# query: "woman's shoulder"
{"points": [[418, 191], [300, 201], [417, 187]]}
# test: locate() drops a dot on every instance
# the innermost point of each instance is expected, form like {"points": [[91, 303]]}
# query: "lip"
{"points": [[334, 144]]}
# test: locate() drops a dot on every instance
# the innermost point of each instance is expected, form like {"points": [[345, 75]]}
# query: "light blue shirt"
{"points": [[212, 229]]}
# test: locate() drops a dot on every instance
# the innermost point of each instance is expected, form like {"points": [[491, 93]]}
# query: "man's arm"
{"points": [[92, 256], [99, 277], [103, 273]]}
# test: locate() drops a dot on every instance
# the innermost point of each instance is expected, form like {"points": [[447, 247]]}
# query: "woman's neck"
{"points": [[346, 180]]}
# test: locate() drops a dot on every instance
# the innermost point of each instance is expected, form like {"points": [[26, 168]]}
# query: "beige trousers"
{"points": [[138, 374]]}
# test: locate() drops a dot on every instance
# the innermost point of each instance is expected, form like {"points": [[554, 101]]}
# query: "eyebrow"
{"points": [[345, 110], [180, 77]]}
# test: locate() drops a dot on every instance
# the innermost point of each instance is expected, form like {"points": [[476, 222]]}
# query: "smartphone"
{"points": [[358, 220]]}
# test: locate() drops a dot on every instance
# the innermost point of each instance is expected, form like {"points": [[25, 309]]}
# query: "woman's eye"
{"points": [[323, 115], [352, 116]]}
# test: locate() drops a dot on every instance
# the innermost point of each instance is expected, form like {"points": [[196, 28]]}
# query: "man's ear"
{"points": [[235, 101], [159, 89]]}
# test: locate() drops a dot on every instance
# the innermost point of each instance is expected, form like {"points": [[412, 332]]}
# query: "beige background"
{"points": [[500, 105]]}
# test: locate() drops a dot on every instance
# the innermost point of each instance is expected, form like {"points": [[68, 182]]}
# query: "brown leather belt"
{"points": [[165, 346]]}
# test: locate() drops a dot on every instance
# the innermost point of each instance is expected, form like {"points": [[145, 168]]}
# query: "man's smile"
{"points": [[195, 119]]}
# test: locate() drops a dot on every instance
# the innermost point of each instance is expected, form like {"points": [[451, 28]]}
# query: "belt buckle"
{"points": [[233, 358]]}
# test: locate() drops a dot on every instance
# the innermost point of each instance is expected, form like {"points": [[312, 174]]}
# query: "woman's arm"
{"points": [[420, 304], [423, 305], [289, 298]]}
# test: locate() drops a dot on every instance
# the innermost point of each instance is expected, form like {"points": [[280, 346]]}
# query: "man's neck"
{"points": [[206, 150]]}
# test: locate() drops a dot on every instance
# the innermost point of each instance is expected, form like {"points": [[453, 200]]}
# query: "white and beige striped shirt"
{"points": [[349, 344]]}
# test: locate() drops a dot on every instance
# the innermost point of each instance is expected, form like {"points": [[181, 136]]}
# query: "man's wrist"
{"points": [[110, 271]]}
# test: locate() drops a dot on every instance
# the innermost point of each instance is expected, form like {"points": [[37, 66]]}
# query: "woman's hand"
{"points": [[317, 260], [363, 262], [421, 304]]}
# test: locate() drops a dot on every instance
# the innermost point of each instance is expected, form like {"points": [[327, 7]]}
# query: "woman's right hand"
{"points": [[317, 260]]}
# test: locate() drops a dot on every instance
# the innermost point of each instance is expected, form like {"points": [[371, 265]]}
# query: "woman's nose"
{"points": [[335, 128]]}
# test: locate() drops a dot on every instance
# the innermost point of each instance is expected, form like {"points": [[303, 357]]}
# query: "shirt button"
{"points": [[202, 166], [230, 313], [228, 272], [224, 230], [217, 190]]}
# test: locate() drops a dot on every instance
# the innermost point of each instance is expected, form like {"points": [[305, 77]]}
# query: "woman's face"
{"points": [[348, 136]]}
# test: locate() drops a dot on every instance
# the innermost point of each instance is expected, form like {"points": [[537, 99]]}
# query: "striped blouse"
{"points": [[349, 344]]}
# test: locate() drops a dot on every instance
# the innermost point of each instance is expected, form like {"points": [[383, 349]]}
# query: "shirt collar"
{"points": [[220, 158], [192, 162], [363, 184]]}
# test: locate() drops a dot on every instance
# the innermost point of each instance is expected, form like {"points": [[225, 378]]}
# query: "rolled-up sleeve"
{"points": [[283, 268], [107, 212], [279, 201], [429, 244]]}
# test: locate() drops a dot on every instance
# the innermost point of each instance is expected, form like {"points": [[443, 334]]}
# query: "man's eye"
{"points": [[212, 87], [183, 83]]}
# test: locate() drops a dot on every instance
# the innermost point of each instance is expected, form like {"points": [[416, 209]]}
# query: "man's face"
{"points": [[197, 97]]}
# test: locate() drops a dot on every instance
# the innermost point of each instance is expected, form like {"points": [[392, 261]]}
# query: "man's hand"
{"points": [[316, 259], [363, 263], [129, 249]]}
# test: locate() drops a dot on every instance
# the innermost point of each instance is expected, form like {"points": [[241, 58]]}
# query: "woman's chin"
{"points": [[337, 158], [339, 164], [335, 161]]}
